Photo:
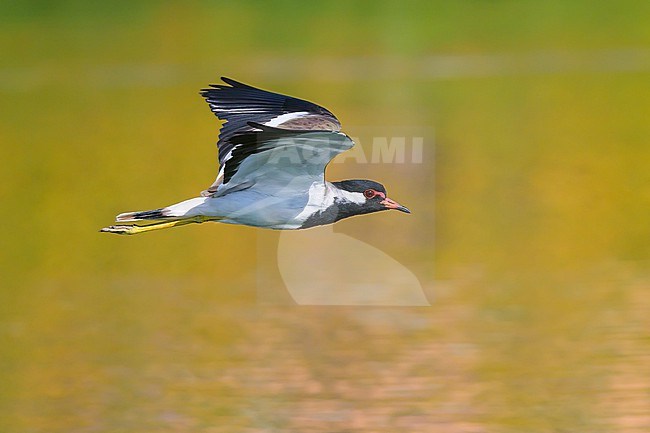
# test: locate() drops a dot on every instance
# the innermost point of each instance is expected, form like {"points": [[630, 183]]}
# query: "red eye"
{"points": [[369, 193]]}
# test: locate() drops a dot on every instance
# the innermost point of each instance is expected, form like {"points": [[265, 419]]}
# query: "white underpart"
{"points": [[277, 121]]}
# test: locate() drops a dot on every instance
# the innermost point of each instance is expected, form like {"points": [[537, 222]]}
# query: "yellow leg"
{"points": [[134, 230]]}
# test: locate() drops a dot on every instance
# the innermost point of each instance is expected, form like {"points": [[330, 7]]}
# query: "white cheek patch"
{"points": [[354, 197]]}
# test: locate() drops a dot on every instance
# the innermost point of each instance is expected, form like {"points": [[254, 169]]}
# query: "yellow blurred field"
{"points": [[529, 229]]}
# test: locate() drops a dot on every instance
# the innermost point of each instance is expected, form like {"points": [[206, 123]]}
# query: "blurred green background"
{"points": [[535, 255]]}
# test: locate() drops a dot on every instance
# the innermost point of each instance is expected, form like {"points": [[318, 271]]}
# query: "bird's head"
{"points": [[370, 195]]}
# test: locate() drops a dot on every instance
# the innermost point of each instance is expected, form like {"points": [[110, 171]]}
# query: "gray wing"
{"points": [[278, 158], [239, 104]]}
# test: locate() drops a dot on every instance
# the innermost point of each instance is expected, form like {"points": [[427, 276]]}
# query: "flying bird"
{"points": [[273, 150]]}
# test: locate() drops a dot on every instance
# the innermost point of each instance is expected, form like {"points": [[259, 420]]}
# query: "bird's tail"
{"points": [[143, 221], [155, 214]]}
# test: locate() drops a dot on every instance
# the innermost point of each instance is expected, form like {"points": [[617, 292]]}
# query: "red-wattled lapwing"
{"points": [[273, 150]]}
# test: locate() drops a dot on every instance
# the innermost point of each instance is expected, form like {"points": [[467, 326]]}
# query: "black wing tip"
{"points": [[233, 84], [230, 84]]}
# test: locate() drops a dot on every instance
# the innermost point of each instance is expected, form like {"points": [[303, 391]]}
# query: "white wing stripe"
{"points": [[277, 121]]}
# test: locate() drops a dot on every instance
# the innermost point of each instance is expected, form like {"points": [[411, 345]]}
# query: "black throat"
{"points": [[337, 211]]}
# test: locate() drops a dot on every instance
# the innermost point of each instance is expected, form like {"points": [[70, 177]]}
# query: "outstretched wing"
{"points": [[239, 104], [274, 158]]}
